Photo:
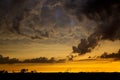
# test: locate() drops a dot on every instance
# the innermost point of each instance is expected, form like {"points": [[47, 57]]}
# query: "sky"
{"points": [[51, 28]]}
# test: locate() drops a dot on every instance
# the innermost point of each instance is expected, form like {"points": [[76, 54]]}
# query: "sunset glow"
{"points": [[60, 35], [74, 67]]}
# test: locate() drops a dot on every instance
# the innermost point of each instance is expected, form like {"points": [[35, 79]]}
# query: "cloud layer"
{"points": [[112, 55], [61, 21], [39, 19], [105, 13]]}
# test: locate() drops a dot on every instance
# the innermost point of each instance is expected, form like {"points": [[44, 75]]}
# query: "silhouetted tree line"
{"points": [[113, 55], [21, 71], [5, 60], [3, 71]]}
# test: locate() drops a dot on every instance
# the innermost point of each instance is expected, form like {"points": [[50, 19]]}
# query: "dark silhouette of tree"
{"points": [[34, 71], [24, 70], [3, 71]]}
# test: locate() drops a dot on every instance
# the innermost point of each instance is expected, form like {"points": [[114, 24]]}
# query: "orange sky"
{"points": [[35, 50], [74, 67]]}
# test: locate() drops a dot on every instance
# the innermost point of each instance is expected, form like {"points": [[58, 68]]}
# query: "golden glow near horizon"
{"points": [[105, 46], [40, 50], [77, 66], [62, 50], [55, 50], [51, 28]]}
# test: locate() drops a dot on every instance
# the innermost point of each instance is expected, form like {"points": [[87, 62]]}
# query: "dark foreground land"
{"points": [[23, 74], [26, 71], [60, 76]]}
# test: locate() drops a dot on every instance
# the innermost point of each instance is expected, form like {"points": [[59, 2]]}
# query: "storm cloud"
{"points": [[36, 19], [105, 13], [112, 55], [61, 19]]}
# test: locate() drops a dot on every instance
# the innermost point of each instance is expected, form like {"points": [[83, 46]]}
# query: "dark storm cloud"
{"points": [[106, 13], [36, 19], [112, 55], [12, 12], [39, 19], [86, 45], [56, 16]]}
